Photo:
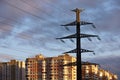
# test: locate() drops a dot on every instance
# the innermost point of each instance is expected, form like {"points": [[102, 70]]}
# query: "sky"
{"points": [[30, 27]]}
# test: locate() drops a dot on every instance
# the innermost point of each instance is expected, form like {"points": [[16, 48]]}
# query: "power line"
{"points": [[12, 25], [23, 10], [43, 19], [43, 11], [13, 21], [35, 7]]}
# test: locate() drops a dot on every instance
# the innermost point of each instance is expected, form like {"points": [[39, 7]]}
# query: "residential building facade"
{"points": [[63, 67], [13, 70], [93, 71], [50, 68]]}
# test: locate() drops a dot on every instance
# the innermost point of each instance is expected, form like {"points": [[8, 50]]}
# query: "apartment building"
{"points": [[50, 68], [93, 71], [13, 70], [63, 67]]}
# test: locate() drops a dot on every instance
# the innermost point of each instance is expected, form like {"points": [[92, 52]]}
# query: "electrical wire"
{"points": [[41, 18], [14, 22], [27, 12], [24, 1], [41, 10], [24, 10]]}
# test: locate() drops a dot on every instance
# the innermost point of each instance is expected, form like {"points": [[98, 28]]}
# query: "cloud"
{"points": [[6, 57], [39, 30]]}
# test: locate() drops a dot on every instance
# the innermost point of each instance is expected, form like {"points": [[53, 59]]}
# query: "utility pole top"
{"points": [[78, 11]]}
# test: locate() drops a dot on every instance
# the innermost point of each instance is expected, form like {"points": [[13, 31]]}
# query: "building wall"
{"points": [[94, 72], [50, 68], [13, 70], [60, 68]]}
